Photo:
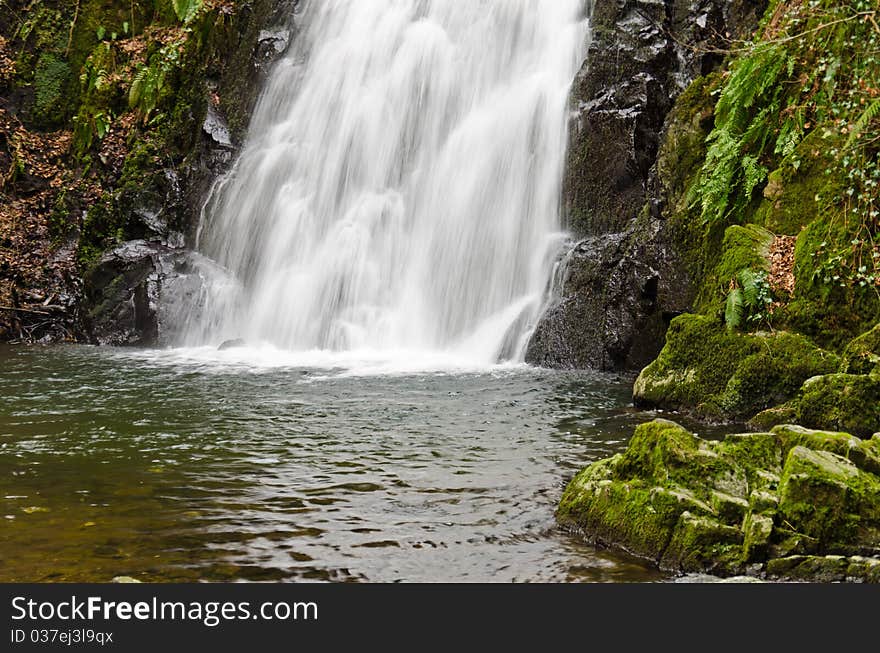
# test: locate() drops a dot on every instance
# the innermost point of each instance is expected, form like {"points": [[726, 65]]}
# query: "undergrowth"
{"points": [[813, 67]]}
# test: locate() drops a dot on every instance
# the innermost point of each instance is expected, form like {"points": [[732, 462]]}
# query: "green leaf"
{"points": [[186, 9], [734, 309]]}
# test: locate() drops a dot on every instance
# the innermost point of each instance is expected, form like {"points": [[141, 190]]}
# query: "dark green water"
{"points": [[174, 467]]}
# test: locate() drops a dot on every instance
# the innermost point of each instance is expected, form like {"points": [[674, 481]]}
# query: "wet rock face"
{"points": [[125, 288], [790, 503], [122, 295], [609, 318], [162, 206], [644, 53]]}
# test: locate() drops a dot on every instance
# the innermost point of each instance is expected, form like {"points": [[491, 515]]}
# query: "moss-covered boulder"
{"points": [[745, 247], [844, 402], [724, 375], [792, 503], [862, 355]]}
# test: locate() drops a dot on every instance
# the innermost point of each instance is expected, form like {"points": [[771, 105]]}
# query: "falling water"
{"points": [[400, 185]]}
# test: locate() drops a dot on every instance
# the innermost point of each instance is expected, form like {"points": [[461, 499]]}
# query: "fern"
{"points": [[135, 93], [186, 10], [749, 281], [748, 299], [745, 120], [149, 85], [871, 111], [734, 309]]}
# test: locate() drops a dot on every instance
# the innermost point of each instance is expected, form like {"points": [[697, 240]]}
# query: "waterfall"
{"points": [[399, 187]]}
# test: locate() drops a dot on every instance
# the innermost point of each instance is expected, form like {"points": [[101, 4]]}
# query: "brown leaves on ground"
{"points": [[221, 6], [7, 62], [36, 278], [43, 195], [782, 264]]}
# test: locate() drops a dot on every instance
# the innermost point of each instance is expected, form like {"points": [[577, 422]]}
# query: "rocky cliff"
{"points": [[624, 277], [116, 119]]}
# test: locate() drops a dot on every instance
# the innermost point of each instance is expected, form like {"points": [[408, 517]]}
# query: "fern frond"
{"points": [[186, 9], [871, 111], [734, 309], [749, 280], [754, 174]]}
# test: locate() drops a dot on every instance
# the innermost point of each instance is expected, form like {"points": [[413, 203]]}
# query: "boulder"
{"points": [[126, 285], [782, 504], [845, 402], [723, 375], [862, 355], [613, 310], [122, 295]]}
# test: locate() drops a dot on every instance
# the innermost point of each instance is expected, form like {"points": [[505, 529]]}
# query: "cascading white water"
{"points": [[399, 189]]}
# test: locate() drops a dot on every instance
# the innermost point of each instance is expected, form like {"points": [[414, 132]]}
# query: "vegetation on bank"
{"points": [[769, 175], [770, 171], [102, 103]]}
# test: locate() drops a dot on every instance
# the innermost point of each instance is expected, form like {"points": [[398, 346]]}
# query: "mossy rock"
{"points": [[824, 307], [799, 190], [52, 84], [846, 402], [733, 507], [831, 501], [835, 402], [767, 419], [704, 544], [862, 355], [824, 569], [683, 146], [744, 247], [724, 375]]}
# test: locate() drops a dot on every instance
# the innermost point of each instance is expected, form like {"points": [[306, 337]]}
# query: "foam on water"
{"points": [[320, 364]]}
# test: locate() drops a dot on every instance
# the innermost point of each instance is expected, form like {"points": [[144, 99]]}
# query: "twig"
{"points": [[693, 48], [23, 310], [72, 27]]}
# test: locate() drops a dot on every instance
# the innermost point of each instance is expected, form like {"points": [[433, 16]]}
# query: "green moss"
{"points": [[642, 518], [703, 544], [799, 190], [782, 103], [767, 419], [773, 374], [757, 531], [846, 402], [52, 79], [696, 364], [743, 247], [655, 447], [752, 452], [862, 354], [101, 229], [821, 569], [706, 369], [827, 498], [825, 307], [683, 146], [649, 500], [679, 161]]}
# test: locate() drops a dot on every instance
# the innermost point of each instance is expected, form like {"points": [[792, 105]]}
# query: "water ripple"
{"points": [[150, 464]]}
